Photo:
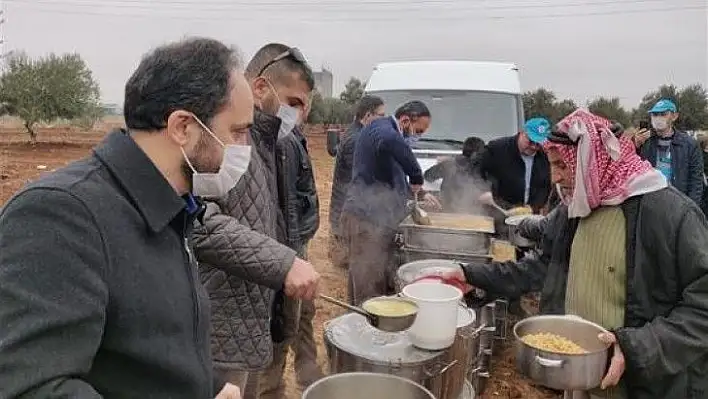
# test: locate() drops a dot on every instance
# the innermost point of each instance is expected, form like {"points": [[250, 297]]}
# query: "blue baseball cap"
{"points": [[663, 105], [537, 129]]}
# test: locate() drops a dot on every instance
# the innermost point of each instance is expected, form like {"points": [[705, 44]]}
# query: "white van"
{"points": [[466, 98]]}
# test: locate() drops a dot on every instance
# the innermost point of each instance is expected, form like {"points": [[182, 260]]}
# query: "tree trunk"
{"points": [[32, 133]]}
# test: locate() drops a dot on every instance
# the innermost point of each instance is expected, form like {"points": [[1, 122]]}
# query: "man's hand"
{"points": [[431, 201], [640, 137], [617, 364], [453, 277], [229, 391], [487, 198], [301, 281]]}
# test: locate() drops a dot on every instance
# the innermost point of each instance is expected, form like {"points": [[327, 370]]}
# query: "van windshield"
{"points": [[457, 115]]}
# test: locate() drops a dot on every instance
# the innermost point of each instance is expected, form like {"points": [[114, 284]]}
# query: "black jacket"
{"points": [[297, 191], [686, 163], [342, 174], [504, 169], [99, 290], [462, 183], [665, 333]]}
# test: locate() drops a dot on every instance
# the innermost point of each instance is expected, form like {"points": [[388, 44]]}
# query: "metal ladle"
{"points": [[419, 215], [383, 323], [500, 209]]}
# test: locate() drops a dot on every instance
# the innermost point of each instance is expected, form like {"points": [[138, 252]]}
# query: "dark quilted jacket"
{"points": [[241, 260]]}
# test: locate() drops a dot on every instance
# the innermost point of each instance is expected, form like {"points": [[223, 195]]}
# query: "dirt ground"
{"points": [[21, 162]]}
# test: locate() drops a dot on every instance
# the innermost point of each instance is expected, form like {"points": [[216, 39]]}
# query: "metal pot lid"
{"points": [[409, 272], [352, 334]]}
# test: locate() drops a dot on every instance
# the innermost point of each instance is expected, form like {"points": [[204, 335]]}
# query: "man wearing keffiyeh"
{"points": [[629, 254]]}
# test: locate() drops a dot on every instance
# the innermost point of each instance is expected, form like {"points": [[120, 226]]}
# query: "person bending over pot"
{"points": [[628, 252]]}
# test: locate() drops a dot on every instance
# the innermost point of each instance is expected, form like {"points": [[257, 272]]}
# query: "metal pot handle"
{"points": [[436, 373], [550, 363]]}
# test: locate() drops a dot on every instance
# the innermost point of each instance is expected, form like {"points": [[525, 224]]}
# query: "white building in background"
{"points": [[112, 109], [324, 82]]}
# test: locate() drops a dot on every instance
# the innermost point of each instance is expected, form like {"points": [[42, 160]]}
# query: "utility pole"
{"points": [[2, 36], [3, 40]]}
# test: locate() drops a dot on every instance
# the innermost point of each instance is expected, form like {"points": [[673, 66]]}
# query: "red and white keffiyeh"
{"points": [[607, 169]]}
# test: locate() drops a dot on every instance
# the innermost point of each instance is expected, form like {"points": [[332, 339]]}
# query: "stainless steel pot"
{"points": [[464, 353], [353, 345], [408, 255], [365, 386], [560, 371], [514, 237], [456, 240]]}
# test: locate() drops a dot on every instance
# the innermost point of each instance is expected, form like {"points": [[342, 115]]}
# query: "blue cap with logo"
{"points": [[663, 105], [537, 129]]}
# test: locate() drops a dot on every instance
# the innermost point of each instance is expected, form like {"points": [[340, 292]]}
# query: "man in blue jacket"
{"points": [[369, 109], [376, 200], [673, 152]]}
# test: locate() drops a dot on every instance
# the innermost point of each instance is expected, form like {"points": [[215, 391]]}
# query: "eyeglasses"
{"points": [[293, 53]]}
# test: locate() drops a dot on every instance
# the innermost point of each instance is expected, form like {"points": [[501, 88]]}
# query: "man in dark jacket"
{"points": [[242, 243], [368, 109], [648, 284], [462, 183], [99, 289], [517, 169], [673, 152], [376, 200]]}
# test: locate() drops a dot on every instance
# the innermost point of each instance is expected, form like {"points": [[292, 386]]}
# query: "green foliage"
{"points": [[353, 91], [48, 88], [692, 103], [542, 103], [329, 111], [611, 109]]}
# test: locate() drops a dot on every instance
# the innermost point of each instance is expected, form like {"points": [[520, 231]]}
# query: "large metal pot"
{"points": [[455, 240], [353, 345], [463, 352], [409, 272], [365, 386], [408, 255], [560, 371]]}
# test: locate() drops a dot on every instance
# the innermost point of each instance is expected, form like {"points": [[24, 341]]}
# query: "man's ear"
{"points": [[260, 88], [178, 123]]}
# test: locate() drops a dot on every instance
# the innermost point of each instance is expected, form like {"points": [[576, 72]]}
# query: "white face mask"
{"points": [[233, 166], [659, 123], [288, 119]]}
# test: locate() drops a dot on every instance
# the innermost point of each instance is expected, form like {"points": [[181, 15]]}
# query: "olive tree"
{"points": [[48, 88]]}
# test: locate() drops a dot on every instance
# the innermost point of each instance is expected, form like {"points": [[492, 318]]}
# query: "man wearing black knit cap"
{"points": [[376, 200]]}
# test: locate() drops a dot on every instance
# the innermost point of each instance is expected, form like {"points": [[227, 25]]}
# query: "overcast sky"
{"points": [[578, 48]]}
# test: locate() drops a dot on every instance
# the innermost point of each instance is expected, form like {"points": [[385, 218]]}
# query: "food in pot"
{"points": [[389, 307], [465, 222], [521, 210], [553, 343], [502, 251]]}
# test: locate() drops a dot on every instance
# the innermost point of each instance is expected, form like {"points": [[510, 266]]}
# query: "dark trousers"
{"points": [[371, 252]]}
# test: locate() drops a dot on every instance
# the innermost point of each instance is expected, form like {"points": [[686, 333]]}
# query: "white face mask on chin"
{"points": [[233, 166], [288, 119]]}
